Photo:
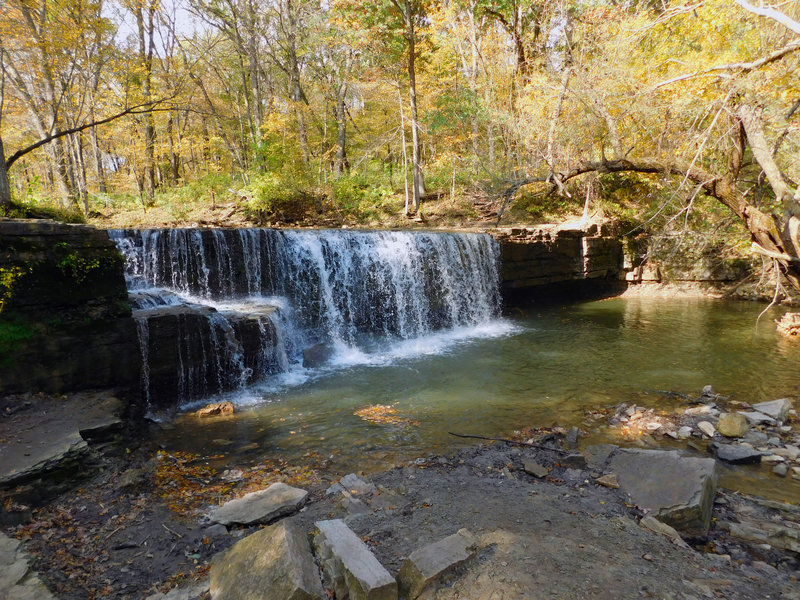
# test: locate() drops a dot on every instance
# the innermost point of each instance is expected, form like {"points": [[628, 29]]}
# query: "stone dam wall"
{"points": [[551, 264], [65, 321]]}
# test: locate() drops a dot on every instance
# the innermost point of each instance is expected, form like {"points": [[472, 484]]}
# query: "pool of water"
{"points": [[537, 369]]}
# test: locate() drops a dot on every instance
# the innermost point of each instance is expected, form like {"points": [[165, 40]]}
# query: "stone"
{"points": [[685, 432], [777, 409], [215, 531], [772, 458], [356, 485], [597, 455], [17, 581], [790, 451], [757, 418], [764, 532], [216, 410], [677, 490], [531, 467], [572, 438], [736, 454], [755, 437], [732, 425], [426, 566], [609, 480], [705, 409], [194, 591], [275, 563], [781, 469], [707, 428], [573, 461], [263, 506], [656, 526], [349, 566]]}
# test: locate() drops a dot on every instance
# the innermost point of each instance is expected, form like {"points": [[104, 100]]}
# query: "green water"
{"points": [[539, 369]]}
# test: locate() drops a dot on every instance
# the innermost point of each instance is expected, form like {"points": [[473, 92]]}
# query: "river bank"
{"points": [[544, 514]]}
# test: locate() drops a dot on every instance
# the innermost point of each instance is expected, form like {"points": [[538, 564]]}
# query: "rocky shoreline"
{"points": [[548, 516]]}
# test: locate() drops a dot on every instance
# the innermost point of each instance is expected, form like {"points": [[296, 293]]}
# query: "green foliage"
{"points": [[9, 276], [359, 198], [12, 334], [271, 195], [71, 264]]}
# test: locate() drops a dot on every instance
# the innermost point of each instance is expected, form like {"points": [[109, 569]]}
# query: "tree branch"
{"points": [[741, 66], [131, 110], [771, 13]]}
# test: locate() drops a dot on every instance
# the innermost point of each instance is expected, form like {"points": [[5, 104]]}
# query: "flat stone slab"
{"points": [[52, 433], [757, 418], [777, 409], [531, 467], [678, 490], [17, 581], [736, 454], [430, 564], [274, 563], [349, 565], [263, 506]]}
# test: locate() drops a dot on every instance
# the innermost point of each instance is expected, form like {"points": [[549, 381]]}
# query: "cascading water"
{"points": [[240, 305]]}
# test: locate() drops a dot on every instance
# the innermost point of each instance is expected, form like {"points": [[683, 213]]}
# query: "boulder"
{"points": [[736, 454], [356, 485], [216, 410], [777, 409], [274, 563], [732, 425], [430, 564], [349, 566], [263, 506], [677, 490]]}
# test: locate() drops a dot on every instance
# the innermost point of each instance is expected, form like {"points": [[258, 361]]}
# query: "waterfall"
{"points": [[248, 302]]}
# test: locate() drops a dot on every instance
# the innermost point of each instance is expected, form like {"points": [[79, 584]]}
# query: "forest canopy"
{"points": [[671, 113]]}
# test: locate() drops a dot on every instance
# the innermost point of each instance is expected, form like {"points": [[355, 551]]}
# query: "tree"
{"points": [[718, 143]]}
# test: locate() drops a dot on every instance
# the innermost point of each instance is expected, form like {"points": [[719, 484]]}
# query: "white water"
{"points": [[371, 298]]}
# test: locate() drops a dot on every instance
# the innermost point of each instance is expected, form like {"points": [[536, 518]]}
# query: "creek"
{"points": [[413, 323]]}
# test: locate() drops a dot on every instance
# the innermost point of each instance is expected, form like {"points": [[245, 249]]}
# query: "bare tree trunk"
{"points": [[296, 93], [411, 39], [341, 164], [144, 23], [5, 187]]}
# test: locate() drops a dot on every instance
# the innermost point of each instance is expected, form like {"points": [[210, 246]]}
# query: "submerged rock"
{"points": [[677, 490], [263, 506], [216, 410], [274, 563]]}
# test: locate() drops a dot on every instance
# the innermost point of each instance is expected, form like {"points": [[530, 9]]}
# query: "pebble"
{"points": [[707, 428], [685, 432]]}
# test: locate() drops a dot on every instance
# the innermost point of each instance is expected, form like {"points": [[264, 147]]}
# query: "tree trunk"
{"points": [[418, 185], [146, 48], [296, 93], [341, 164], [5, 187]]}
